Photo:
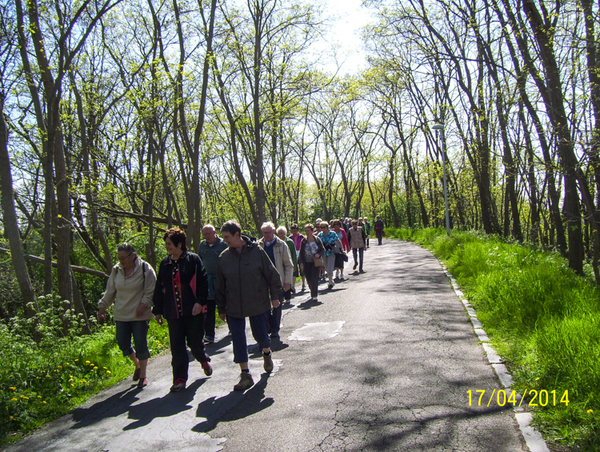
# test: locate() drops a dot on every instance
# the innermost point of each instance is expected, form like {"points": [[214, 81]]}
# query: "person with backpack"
{"points": [[130, 287]]}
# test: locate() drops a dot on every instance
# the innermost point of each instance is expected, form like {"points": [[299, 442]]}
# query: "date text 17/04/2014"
{"points": [[541, 397]]}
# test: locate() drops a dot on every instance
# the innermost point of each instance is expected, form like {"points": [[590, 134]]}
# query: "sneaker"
{"points": [[245, 382], [178, 385], [303, 288], [208, 370], [361, 271], [268, 362], [330, 284], [355, 265], [209, 340], [342, 277]]}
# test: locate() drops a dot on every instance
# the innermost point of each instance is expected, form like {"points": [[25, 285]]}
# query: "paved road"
{"points": [[383, 362]]}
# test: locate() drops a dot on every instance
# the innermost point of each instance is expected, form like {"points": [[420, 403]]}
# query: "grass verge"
{"points": [[42, 380], [541, 317]]}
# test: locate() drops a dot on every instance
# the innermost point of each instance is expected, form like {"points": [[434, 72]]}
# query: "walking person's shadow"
{"points": [[215, 410], [169, 405]]}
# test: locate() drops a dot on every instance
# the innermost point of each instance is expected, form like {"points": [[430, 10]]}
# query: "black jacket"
{"points": [[192, 285]]}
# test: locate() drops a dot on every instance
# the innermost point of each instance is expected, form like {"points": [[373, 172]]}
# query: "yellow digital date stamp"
{"points": [[500, 398]]}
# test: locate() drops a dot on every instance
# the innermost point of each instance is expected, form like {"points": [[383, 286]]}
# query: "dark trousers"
{"points": [[190, 328], [275, 318], [379, 235], [209, 320], [312, 274], [259, 325], [361, 253]]}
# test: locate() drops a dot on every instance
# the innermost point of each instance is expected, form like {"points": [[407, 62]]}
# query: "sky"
{"points": [[349, 18]]}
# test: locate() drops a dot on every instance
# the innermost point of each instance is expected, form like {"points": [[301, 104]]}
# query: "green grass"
{"points": [[540, 316], [45, 379]]}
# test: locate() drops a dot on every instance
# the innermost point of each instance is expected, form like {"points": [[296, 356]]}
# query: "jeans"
{"points": [[190, 327], [260, 331], [360, 252], [139, 329]]}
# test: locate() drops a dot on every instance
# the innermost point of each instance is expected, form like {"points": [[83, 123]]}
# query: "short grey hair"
{"points": [[268, 224], [280, 229]]}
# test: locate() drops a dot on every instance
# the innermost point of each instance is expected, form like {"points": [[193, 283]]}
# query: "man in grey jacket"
{"points": [[279, 253], [247, 285]]}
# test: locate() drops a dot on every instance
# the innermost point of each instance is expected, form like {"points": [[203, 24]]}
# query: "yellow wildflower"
{"points": [[44, 402], [108, 371], [95, 367], [24, 397], [590, 411], [87, 362], [11, 418], [14, 399], [12, 388]]}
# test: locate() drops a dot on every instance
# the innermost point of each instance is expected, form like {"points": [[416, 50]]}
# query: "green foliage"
{"points": [[541, 317], [47, 369]]}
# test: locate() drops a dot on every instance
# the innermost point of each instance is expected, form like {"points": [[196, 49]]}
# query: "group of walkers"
{"points": [[241, 276]]}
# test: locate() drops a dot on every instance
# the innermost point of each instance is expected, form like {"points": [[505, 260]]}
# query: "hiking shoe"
{"points": [[268, 365], [208, 370], [178, 385], [245, 382]]}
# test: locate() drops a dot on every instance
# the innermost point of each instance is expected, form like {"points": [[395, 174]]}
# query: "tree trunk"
{"points": [[11, 225]]}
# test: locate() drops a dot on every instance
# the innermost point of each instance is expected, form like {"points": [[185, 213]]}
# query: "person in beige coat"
{"points": [[131, 287], [279, 253]]}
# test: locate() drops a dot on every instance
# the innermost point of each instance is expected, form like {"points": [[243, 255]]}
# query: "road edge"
{"points": [[533, 439]]}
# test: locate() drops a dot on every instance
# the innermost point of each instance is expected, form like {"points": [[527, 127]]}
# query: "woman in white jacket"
{"points": [[131, 287]]}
